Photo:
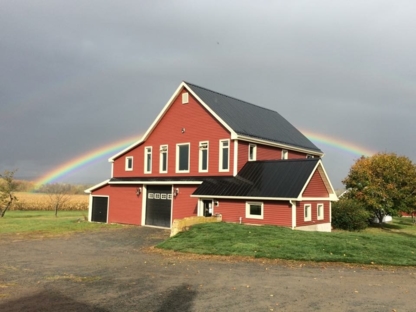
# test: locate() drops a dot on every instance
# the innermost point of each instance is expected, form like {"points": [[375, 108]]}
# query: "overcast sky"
{"points": [[77, 75]]}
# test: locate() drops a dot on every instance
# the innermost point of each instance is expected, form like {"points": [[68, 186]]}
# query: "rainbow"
{"points": [[85, 159], [114, 147], [337, 143]]}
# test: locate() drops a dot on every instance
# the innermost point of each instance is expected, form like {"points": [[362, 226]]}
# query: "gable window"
{"points": [[203, 156], [307, 212], [224, 155], [254, 210], [285, 154], [182, 157], [252, 152], [310, 156], [185, 98], [320, 211], [147, 160], [129, 163], [163, 163]]}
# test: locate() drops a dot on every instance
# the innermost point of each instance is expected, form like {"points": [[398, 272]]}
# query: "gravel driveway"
{"points": [[116, 270]]}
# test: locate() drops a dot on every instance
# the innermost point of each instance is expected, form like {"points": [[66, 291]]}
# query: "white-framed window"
{"points": [[129, 163], [252, 152], [307, 212], [285, 154], [224, 155], [148, 159], [203, 156], [320, 211], [185, 98], [254, 210], [163, 162], [182, 157]]}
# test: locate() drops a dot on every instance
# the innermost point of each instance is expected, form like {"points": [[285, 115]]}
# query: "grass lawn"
{"points": [[395, 244], [44, 223]]}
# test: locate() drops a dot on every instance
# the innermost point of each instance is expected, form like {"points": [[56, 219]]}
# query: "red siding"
{"points": [[125, 206], [198, 124], [300, 217], [316, 187], [184, 205], [275, 212]]}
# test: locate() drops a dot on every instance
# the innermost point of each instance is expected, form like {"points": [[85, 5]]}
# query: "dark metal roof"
{"points": [[252, 120], [272, 178]]}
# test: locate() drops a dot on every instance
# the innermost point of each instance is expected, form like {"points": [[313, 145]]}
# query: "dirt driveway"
{"points": [[115, 271]]}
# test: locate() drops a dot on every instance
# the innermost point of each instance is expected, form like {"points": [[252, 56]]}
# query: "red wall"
{"points": [[199, 126], [184, 205], [125, 206], [275, 212], [300, 218], [316, 187]]}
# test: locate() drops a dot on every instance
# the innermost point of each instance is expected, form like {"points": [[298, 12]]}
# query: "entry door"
{"points": [[158, 205], [207, 208], [99, 209]]}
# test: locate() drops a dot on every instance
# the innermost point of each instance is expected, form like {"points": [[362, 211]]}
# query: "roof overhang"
{"points": [[161, 182], [97, 186]]}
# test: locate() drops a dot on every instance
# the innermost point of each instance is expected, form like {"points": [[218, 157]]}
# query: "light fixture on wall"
{"points": [[138, 191], [216, 203], [183, 130], [175, 192]]}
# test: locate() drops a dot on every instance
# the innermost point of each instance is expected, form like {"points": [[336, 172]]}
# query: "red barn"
{"points": [[207, 153]]}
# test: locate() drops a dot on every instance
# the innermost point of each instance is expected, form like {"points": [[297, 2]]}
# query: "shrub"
{"points": [[350, 215]]}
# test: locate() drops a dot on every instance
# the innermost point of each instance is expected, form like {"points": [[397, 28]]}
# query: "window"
{"points": [[163, 163], [307, 212], [185, 98], [129, 163], [182, 157], [254, 210], [147, 160], [252, 152], [203, 156], [310, 156], [224, 155], [285, 154], [320, 211]]}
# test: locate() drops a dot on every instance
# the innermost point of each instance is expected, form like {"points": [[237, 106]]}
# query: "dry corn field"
{"points": [[41, 201]]}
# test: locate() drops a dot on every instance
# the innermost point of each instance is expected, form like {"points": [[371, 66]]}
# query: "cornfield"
{"points": [[41, 201]]}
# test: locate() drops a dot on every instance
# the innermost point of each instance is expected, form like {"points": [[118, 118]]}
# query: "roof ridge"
{"points": [[231, 97]]}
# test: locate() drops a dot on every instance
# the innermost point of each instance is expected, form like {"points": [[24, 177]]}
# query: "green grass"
{"points": [[395, 244], [44, 223]]}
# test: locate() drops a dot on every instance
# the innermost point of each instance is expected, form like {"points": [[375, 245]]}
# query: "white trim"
{"points": [[112, 169], [309, 214], [246, 197], [89, 207], [146, 163], [317, 211], [235, 163], [177, 158], [279, 145], [202, 148], [92, 188], [254, 146], [220, 169], [249, 215], [126, 164], [285, 154], [144, 197], [185, 97], [156, 182], [293, 203], [161, 158], [313, 198]]}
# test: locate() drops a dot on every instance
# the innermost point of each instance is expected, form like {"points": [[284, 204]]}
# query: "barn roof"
{"points": [[271, 178], [251, 120]]}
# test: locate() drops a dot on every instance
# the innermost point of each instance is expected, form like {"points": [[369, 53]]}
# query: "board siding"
{"points": [[275, 212], [198, 125], [184, 205], [316, 187], [300, 219]]}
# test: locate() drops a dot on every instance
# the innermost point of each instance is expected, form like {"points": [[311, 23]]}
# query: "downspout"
{"points": [[293, 214]]}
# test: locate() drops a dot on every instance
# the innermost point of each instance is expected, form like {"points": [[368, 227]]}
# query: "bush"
{"points": [[350, 215]]}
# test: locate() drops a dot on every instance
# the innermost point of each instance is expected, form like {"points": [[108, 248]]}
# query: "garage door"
{"points": [[158, 205], [99, 209]]}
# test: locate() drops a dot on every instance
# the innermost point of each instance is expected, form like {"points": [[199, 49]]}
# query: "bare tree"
{"points": [[59, 195], [7, 188]]}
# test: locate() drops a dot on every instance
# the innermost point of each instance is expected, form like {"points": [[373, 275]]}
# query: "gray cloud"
{"points": [[79, 75]]}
